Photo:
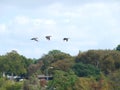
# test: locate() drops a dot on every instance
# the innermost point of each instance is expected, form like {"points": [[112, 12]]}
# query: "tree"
{"points": [[83, 70], [115, 80], [64, 65], [118, 48], [90, 57], [32, 83], [63, 80], [106, 60], [52, 57], [3, 64], [58, 55], [33, 68], [14, 63], [108, 64]]}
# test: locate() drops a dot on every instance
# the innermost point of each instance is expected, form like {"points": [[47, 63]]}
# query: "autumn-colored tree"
{"points": [[33, 68], [90, 57], [64, 65], [115, 80]]}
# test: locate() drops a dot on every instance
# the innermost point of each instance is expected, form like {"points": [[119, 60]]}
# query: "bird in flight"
{"points": [[65, 39], [35, 39], [48, 37]]}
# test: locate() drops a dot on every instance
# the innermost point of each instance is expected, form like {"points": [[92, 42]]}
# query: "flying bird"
{"points": [[65, 39], [35, 39], [48, 37]]}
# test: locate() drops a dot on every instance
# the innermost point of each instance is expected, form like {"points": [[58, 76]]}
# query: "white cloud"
{"points": [[2, 28], [37, 22], [66, 20], [22, 20], [50, 22], [88, 25], [55, 9], [84, 11]]}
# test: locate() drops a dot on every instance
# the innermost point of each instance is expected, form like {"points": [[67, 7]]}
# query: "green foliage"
{"points": [[111, 62], [115, 80], [58, 55], [90, 57], [84, 83], [63, 80], [34, 68], [64, 65], [32, 83], [106, 60], [10, 85], [108, 64], [16, 86], [52, 57], [14, 63], [118, 48], [83, 70]]}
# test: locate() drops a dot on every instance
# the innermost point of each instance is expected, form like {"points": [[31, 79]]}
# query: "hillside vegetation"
{"points": [[89, 70]]}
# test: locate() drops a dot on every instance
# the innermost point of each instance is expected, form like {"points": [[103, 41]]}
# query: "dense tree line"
{"points": [[106, 60], [89, 70]]}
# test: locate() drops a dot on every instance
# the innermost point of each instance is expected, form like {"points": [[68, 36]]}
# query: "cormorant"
{"points": [[35, 39], [65, 39], [48, 37]]}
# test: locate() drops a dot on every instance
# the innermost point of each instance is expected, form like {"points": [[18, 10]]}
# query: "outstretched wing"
{"points": [[48, 37], [35, 39]]}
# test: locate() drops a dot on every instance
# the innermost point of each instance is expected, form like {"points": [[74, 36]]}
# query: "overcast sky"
{"points": [[90, 24]]}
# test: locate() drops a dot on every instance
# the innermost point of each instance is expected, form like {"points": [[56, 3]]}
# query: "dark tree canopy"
{"points": [[83, 70], [118, 48]]}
